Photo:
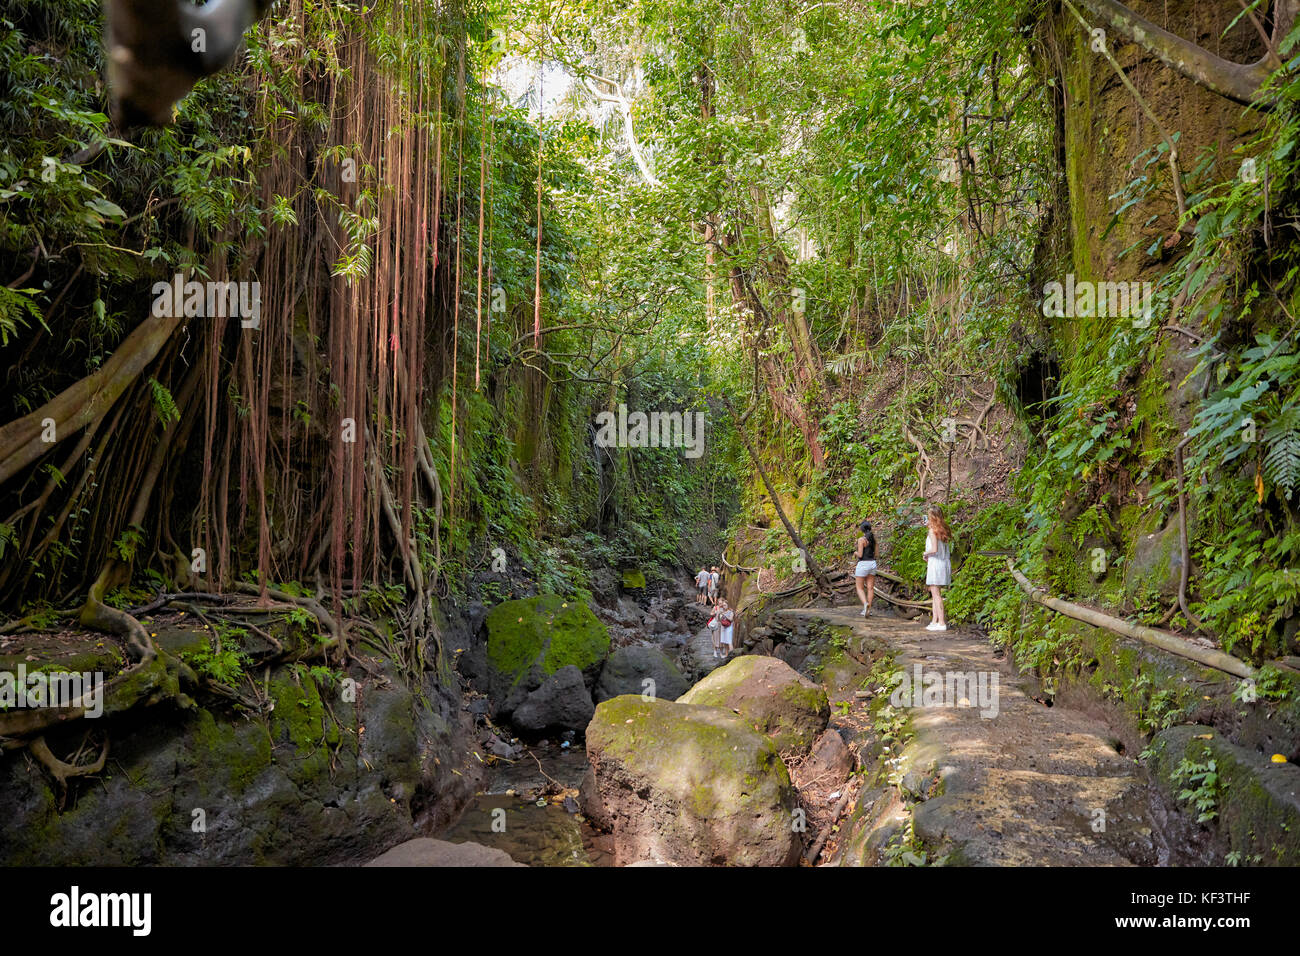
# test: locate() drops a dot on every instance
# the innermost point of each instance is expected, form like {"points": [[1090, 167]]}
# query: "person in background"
{"points": [[727, 621], [864, 573], [714, 578], [938, 569], [702, 586]]}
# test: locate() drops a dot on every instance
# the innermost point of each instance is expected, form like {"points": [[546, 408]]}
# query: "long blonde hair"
{"points": [[938, 525]]}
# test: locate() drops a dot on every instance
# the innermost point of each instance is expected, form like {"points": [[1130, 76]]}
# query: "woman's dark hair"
{"points": [[869, 547]]}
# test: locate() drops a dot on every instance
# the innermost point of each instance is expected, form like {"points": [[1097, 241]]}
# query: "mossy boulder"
{"points": [[324, 778], [633, 580], [530, 639], [561, 703], [771, 696], [688, 784], [1256, 801]]}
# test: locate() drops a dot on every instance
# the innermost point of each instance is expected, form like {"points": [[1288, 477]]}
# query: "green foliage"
{"points": [[224, 666], [128, 542], [17, 311], [1204, 788], [906, 849], [164, 404]]}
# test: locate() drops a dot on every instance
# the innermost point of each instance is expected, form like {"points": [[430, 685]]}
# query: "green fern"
{"points": [[16, 311], [1282, 449], [163, 403]]}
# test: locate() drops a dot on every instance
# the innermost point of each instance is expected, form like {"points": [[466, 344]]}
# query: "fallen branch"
{"points": [[815, 850], [814, 568], [1148, 635]]}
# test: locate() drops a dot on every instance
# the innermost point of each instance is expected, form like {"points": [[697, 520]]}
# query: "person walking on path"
{"points": [[702, 586], [726, 618], [938, 569], [713, 586], [864, 573], [715, 627]]}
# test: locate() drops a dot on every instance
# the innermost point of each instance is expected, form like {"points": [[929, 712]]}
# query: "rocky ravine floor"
{"points": [[1027, 785]]}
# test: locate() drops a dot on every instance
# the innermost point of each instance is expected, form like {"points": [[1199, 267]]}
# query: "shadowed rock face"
{"points": [[688, 784], [769, 695], [562, 702], [319, 780], [627, 669]]}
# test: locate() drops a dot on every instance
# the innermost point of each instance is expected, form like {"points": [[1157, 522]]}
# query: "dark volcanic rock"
{"points": [[628, 668], [562, 702]]}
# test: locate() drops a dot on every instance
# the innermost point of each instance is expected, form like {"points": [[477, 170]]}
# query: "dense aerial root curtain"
{"points": [[478, 294], [537, 282], [455, 310], [353, 273]]}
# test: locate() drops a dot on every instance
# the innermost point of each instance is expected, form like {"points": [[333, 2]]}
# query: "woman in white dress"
{"points": [[727, 618], [938, 569]]}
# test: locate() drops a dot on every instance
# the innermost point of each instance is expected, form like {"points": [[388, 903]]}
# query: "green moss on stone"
{"points": [[546, 629], [228, 756]]}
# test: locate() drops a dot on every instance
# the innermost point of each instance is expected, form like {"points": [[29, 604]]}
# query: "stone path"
{"points": [[1025, 785]]}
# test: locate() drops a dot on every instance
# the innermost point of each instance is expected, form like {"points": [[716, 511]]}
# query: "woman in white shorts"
{"points": [[864, 572], [938, 568]]}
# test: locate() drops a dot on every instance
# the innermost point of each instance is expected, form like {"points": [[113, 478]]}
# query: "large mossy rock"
{"points": [[629, 667], [771, 696], [682, 783], [530, 639], [324, 778], [1256, 801]]}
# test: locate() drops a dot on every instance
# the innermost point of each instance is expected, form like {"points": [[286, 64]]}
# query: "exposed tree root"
{"points": [[338, 637], [62, 771], [85, 401], [97, 615]]}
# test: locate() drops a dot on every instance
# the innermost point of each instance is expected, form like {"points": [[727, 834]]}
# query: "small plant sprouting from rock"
{"points": [[1203, 787]]}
